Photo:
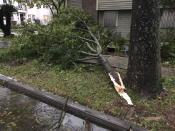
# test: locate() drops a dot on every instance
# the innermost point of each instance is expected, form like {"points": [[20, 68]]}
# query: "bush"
{"points": [[56, 42], [119, 43], [168, 44]]}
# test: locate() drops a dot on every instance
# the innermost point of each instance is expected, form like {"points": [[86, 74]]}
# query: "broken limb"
{"points": [[114, 76]]}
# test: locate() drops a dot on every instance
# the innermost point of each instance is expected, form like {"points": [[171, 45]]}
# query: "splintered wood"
{"points": [[119, 86], [97, 52]]}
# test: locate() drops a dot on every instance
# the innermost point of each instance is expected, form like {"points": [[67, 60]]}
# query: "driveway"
{"points": [[13, 32], [3, 44]]}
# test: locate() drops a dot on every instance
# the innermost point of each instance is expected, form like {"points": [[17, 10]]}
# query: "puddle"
{"points": [[21, 113]]}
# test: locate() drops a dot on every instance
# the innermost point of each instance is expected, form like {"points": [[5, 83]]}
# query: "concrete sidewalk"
{"points": [[122, 62], [115, 61], [3, 44]]}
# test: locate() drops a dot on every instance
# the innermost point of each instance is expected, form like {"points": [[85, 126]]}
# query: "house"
{"points": [[17, 16], [26, 14], [43, 14], [116, 14]]}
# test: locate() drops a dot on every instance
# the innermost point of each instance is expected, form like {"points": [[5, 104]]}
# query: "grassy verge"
{"points": [[169, 64], [90, 86]]}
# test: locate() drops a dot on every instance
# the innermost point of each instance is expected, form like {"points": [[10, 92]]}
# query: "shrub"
{"points": [[168, 44], [56, 42]]}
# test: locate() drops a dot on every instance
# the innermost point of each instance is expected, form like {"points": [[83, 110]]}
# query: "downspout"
{"points": [[97, 11]]}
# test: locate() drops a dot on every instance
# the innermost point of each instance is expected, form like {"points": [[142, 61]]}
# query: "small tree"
{"points": [[6, 11], [54, 5]]}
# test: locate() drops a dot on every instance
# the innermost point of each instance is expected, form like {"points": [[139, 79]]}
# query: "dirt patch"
{"points": [[170, 117], [14, 63], [167, 71]]}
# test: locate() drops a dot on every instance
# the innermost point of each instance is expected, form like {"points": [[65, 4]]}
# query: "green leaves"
{"points": [[167, 3], [168, 44], [7, 9], [57, 42]]}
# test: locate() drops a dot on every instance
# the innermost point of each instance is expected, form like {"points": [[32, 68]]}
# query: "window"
{"points": [[20, 6], [110, 18], [33, 17], [29, 18], [46, 18], [167, 18], [5, 1], [45, 6]]}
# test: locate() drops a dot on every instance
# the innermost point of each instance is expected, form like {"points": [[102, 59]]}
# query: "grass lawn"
{"points": [[90, 86]]}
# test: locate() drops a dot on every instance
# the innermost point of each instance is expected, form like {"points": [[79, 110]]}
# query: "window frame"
{"points": [[116, 19]]}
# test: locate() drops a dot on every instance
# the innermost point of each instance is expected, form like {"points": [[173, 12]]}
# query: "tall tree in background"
{"points": [[6, 11], [54, 5], [144, 69]]}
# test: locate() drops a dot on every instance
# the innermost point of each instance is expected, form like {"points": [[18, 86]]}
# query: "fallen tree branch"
{"points": [[85, 39], [61, 118], [91, 49], [86, 53], [83, 112], [114, 76]]}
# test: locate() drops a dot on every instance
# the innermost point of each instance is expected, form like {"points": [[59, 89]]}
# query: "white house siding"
{"points": [[114, 4], [75, 3], [23, 13], [42, 14], [1, 2], [16, 16]]}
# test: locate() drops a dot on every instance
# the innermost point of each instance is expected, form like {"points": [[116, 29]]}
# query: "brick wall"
{"points": [[89, 6]]}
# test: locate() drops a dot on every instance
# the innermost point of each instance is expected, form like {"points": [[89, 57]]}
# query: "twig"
{"points": [[80, 29], [86, 39], [98, 35], [86, 53], [90, 58], [62, 115], [99, 49], [91, 48]]}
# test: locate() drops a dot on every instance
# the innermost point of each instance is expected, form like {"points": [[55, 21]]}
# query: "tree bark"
{"points": [[144, 70], [6, 28], [7, 31]]}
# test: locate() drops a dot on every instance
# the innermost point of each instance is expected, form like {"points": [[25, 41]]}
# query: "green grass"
{"points": [[169, 63], [90, 86], [8, 39]]}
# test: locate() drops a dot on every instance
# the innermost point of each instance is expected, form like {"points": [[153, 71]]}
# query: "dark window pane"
{"points": [[110, 18]]}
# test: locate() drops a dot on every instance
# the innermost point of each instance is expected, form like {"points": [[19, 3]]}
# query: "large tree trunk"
{"points": [[7, 31], [144, 70], [1, 21], [6, 28]]}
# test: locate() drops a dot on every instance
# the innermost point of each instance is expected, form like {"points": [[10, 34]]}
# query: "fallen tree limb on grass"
{"points": [[114, 76]]}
